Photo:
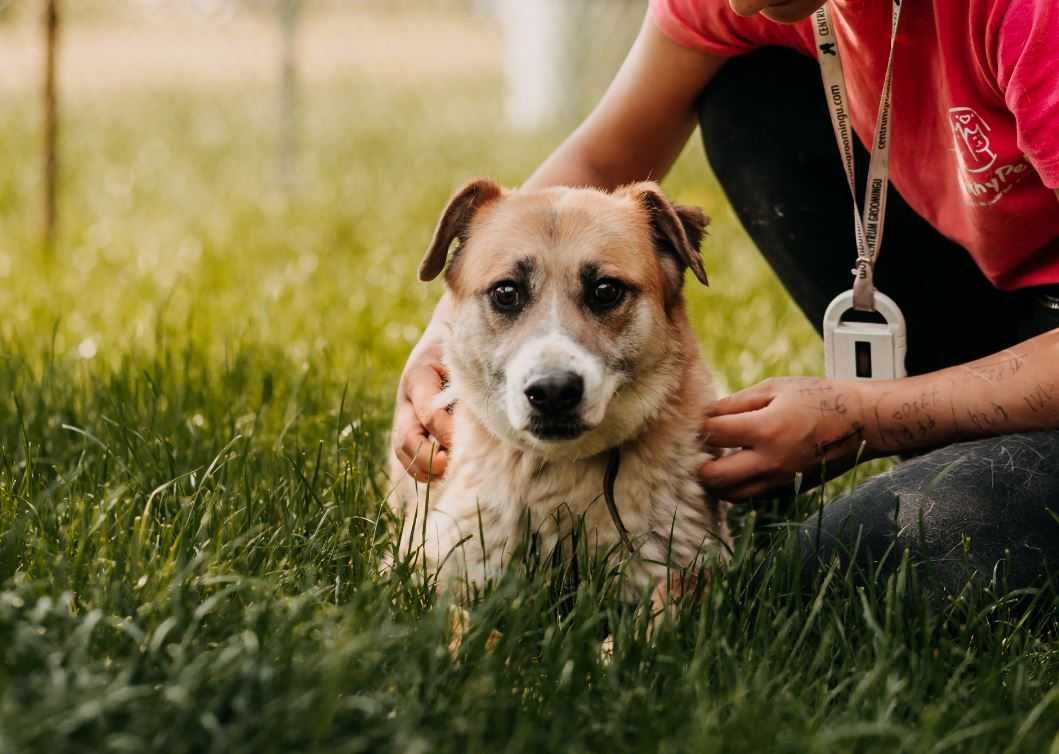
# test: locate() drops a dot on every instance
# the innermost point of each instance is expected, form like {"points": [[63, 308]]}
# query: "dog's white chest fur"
{"points": [[497, 493]]}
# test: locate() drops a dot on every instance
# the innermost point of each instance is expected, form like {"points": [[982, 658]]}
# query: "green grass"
{"points": [[194, 395]]}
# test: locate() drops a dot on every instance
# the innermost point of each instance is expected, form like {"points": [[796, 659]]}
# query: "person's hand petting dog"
{"points": [[782, 427], [808, 425], [422, 431]]}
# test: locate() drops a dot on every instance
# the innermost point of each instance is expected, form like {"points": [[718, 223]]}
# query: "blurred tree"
{"points": [[50, 107], [559, 55], [289, 12]]}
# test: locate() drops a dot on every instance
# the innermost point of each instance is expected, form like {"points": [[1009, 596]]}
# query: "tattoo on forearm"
{"points": [[823, 399], [920, 406], [884, 437], [952, 407], [1039, 398], [988, 420], [856, 432], [1001, 394], [912, 421], [993, 371]]}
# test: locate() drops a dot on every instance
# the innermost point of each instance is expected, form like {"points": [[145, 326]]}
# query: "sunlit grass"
{"points": [[194, 394]]}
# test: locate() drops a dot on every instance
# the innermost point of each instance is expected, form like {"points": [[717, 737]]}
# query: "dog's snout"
{"points": [[556, 393]]}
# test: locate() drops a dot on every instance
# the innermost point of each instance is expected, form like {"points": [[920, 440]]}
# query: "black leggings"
{"points": [[966, 511]]}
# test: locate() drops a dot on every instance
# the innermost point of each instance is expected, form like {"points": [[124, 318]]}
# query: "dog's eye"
{"points": [[605, 294], [506, 297]]}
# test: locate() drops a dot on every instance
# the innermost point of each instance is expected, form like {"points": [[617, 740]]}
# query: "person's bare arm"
{"points": [[794, 425], [640, 126], [636, 132]]}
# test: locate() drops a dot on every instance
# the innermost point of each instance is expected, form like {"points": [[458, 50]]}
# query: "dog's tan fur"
{"points": [[650, 393]]}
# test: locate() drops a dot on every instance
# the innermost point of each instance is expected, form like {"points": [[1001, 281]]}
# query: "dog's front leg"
{"points": [[665, 599]]}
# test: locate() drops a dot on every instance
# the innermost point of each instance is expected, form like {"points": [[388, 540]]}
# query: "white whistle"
{"points": [[864, 350]]}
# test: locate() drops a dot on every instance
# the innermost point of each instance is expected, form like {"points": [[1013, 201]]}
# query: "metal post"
{"points": [[289, 10], [534, 61]]}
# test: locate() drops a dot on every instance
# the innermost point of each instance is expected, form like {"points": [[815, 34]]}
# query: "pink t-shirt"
{"points": [[975, 114]]}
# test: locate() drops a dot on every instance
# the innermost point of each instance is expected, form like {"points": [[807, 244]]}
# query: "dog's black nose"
{"points": [[556, 393]]}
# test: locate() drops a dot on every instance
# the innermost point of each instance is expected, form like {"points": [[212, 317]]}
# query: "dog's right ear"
{"points": [[454, 222]]}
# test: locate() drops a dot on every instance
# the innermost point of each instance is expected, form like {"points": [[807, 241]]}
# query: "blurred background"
{"points": [[263, 175]]}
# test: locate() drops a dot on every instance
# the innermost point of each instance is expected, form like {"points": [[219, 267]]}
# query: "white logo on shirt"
{"points": [[972, 140], [982, 184]]}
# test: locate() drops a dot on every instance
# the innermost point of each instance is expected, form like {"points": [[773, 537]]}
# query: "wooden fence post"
{"points": [[50, 105]]}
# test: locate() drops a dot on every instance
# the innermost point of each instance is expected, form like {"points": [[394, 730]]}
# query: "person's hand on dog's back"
{"points": [[418, 422]]}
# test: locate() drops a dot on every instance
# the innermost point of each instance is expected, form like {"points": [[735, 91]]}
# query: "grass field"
{"points": [[194, 395]]}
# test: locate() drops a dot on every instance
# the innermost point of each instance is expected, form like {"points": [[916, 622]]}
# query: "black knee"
{"points": [[985, 511], [860, 530]]}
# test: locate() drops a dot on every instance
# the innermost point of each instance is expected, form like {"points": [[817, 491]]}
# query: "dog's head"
{"points": [[567, 336]]}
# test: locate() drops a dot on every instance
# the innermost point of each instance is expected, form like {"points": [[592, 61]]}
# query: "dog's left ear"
{"points": [[677, 229], [454, 223]]}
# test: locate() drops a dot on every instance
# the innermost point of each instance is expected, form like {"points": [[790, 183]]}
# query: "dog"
{"points": [[576, 372]]}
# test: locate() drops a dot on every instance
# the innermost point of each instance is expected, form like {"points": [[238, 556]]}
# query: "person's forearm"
{"points": [[587, 160], [569, 165], [639, 128], [1012, 391]]}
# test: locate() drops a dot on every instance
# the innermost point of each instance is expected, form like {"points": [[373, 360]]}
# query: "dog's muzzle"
{"points": [[554, 389]]}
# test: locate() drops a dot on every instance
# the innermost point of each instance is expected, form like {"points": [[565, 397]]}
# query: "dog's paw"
{"points": [[459, 625], [459, 621], [606, 651]]}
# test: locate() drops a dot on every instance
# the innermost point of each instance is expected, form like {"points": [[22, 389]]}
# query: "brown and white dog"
{"points": [[569, 339]]}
